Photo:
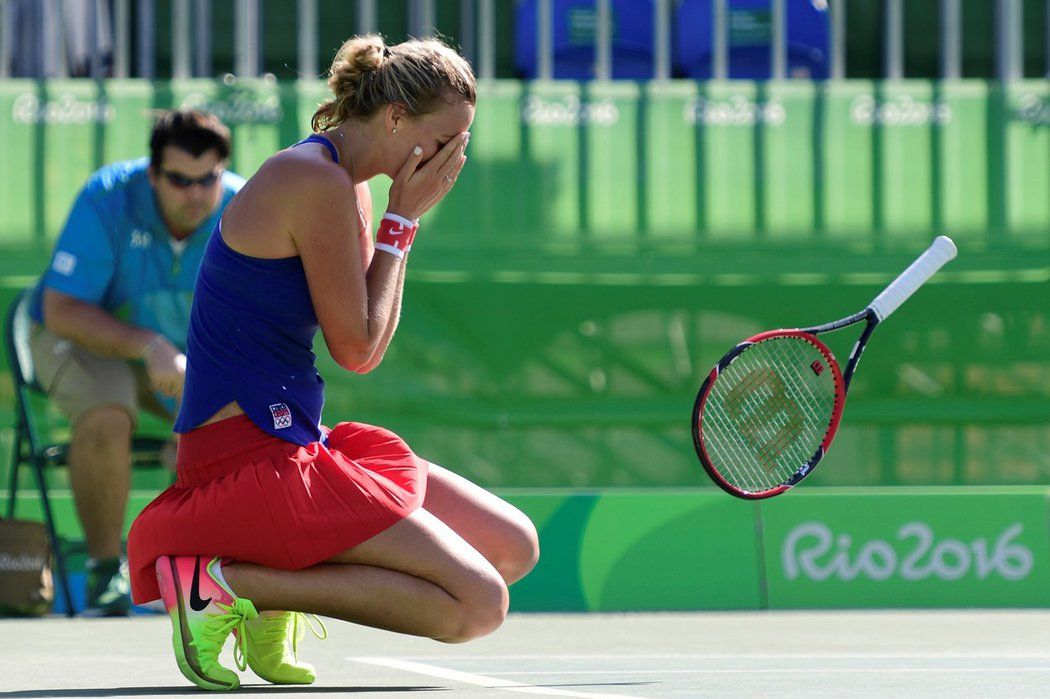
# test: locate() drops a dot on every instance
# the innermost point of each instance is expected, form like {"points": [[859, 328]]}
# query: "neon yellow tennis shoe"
{"points": [[273, 646], [204, 611]]}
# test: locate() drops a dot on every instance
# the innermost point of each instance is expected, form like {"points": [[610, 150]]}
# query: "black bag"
{"points": [[26, 587]]}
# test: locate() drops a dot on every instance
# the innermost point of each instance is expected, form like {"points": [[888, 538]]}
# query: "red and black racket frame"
{"points": [[842, 381]]}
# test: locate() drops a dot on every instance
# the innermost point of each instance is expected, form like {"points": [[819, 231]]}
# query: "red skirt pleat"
{"points": [[246, 494]]}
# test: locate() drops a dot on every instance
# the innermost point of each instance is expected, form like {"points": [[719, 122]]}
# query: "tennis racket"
{"points": [[768, 411]]}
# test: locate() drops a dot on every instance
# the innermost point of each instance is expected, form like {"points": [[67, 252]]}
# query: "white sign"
{"points": [[811, 550]]}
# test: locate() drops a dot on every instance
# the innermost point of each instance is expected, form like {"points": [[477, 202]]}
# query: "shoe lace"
{"points": [[299, 632], [218, 627], [276, 628]]}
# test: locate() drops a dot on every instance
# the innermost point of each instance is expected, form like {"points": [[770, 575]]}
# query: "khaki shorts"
{"points": [[77, 380]]}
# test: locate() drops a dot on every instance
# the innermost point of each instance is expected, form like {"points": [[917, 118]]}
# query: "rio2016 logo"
{"points": [[812, 551]]}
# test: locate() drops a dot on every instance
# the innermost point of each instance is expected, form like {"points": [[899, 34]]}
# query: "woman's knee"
{"points": [[480, 611], [522, 551]]}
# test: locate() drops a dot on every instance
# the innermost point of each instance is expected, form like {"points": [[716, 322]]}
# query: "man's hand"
{"points": [[165, 366]]}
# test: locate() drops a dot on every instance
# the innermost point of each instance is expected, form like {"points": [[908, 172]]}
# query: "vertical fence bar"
{"points": [[429, 17], [1009, 40], [603, 42], [951, 39], [121, 39], [838, 40], [778, 46], [54, 64], [147, 56], [202, 29], [413, 21], [180, 39], [893, 44], [544, 40], [246, 40], [366, 16], [307, 41], [662, 40], [487, 39], [466, 31], [5, 39], [719, 25], [421, 18], [94, 53]]}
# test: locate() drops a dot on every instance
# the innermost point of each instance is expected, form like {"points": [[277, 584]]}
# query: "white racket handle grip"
{"points": [[936, 256]]}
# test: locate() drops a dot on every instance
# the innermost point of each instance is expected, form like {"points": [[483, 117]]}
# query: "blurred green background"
{"points": [[607, 242]]}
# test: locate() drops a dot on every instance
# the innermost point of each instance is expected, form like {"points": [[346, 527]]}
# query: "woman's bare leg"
{"points": [[417, 577], [502, 533]]}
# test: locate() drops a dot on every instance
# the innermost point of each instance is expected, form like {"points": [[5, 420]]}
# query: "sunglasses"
{"points": [[180, 181]]}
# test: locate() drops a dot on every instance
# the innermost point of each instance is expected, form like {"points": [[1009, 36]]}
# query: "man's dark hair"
{"points": [[193, 131]]}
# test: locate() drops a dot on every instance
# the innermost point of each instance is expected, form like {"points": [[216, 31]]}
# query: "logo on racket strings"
{"points": [[764, 415]]}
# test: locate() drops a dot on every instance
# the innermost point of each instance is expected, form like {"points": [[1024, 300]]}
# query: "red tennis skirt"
{"points": [[246, 494]]}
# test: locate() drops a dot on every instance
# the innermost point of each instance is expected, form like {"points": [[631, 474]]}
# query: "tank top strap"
{"points": [[318, 138]]}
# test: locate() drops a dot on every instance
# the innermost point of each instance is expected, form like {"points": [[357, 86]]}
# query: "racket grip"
{"points": [[936, 256]]}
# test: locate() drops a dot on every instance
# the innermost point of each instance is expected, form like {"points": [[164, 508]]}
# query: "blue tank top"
{"points": [[250, 341]]}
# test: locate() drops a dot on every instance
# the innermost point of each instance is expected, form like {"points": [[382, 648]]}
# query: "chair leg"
{"points": [[16, 461], [56, 545]]}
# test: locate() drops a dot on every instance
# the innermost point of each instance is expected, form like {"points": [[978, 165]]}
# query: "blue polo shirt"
{"points": [[116, 253]]}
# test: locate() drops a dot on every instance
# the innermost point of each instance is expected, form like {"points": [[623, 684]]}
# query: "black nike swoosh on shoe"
{"points": [[196, 603]]}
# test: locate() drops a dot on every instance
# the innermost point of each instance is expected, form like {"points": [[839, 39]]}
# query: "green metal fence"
{"points": [[608, 242]]}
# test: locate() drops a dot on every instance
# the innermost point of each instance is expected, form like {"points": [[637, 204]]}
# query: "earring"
{"points": [[394, 130]]}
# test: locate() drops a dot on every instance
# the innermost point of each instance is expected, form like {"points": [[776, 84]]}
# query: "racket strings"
{"points": [[768, 413]]}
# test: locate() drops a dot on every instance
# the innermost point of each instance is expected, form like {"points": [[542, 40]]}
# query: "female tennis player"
{"points": [[272, 511]]}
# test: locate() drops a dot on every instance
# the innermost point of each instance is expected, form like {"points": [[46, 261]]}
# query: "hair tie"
{"points": [[386, 52]]}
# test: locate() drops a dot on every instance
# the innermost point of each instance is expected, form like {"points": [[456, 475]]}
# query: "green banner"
{"points": [[728, 112], [689, 549], [1027, 155], [788, 169], [912, 548], [670, 163], [848, 164], [904, 116], [21, 177], [962, 160], [263, 115]]}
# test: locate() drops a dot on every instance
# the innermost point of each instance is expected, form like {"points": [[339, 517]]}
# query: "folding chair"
{"points": [[32, 447]]}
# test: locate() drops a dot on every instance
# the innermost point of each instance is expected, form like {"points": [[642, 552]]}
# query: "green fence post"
{"points": [[786, 120], [670, 160], [19, 190], [549, 187], [848, 183], [609, 118], [126, 134], [72, 110], [1027, 143], [727, 112], [964, 160], [906, 115]]}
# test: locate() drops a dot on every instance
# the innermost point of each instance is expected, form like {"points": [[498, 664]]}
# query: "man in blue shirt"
{"points": [[111, 315]]}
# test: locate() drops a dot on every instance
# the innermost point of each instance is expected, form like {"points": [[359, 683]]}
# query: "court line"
{"points": [[797, 670], [481, 680], [748, 656]]}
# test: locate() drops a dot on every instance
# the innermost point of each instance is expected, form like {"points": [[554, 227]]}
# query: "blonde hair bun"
{"points": [[366, 74]]}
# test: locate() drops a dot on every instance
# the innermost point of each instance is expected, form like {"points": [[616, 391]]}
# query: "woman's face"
{"points": [[430, 131]]}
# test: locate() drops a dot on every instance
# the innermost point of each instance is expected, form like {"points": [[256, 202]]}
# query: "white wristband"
{"points": [[396, 252], [407, 223]]}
